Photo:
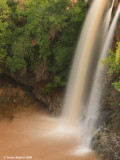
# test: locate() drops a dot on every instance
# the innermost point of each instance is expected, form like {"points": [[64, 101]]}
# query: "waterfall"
{"points": [[92, 112], [75, 110], [74, 99]]}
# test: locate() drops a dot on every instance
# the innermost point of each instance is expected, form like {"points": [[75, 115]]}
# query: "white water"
{"points": [[74, 106], [110, 34], [106, 22]]}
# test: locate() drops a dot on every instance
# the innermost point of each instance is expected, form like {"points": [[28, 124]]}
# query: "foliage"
{"points": [[4, 15], [47, 88], [15, 63], [117, 85], [118, 54], [112, 63], [57, 33], [41, 30]]}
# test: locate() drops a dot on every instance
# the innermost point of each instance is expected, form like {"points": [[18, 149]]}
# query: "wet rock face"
{"points": [[53, 100], [56, 105], [27, 79], [117, 31], [13, 97]]}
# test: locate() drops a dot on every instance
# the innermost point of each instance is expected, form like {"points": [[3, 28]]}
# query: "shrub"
{"points": [[112, 63]]}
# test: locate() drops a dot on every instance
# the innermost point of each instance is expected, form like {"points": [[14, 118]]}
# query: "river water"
{"points": [[30, 135]]}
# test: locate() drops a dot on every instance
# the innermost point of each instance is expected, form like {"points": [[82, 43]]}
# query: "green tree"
{"points": [[4, 16], [42, 30]]}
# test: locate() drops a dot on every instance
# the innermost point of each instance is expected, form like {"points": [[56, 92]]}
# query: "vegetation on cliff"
{"points": [[112, 63], [40, 32], [109, 135]]}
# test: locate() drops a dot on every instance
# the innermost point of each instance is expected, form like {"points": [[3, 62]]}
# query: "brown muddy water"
{"points": [[30, 136]]}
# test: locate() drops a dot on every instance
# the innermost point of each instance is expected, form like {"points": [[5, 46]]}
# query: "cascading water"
{"points": [[98, 85], [109, 38], [106, 22], [73, 105]]}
